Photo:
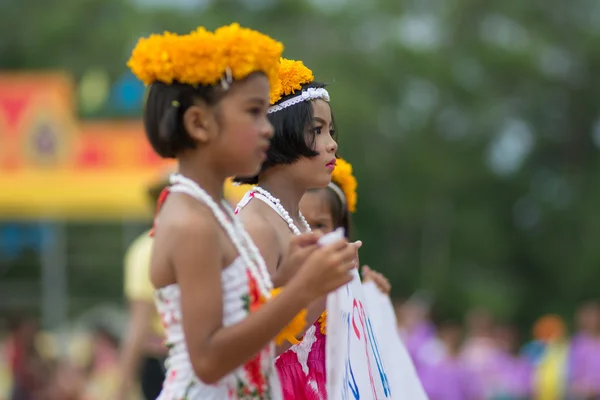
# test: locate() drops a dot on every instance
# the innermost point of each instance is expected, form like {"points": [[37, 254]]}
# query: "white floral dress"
{"points": [[256, 379]]}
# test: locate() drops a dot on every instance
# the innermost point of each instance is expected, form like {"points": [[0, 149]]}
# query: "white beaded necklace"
{"points": [[280, 209], [235, 230]]}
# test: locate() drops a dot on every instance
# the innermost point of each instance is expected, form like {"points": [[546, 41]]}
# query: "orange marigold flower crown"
{"points": [[292, 76], [344, 184], [205, 58]]}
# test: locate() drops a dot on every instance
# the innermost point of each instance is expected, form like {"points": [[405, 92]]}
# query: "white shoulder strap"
{"points": [[251, 195]]}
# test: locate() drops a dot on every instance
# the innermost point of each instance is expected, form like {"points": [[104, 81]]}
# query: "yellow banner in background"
{"points": [[73, 195], [53, 166]]}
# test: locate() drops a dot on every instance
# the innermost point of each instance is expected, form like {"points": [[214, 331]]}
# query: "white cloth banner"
{"points": [[404, 381], [357, 366]]}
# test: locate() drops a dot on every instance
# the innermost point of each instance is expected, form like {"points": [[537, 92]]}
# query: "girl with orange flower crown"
{"points": [[302, 156], [326, 209], [207, 107], [329, 208]]}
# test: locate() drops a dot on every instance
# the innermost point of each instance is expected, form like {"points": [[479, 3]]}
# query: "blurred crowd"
{"points": [[33, 366], [482, 359], [474, 359]]}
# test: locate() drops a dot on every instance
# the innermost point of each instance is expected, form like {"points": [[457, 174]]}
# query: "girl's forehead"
{"points": [[321, 110], [316, 201]]}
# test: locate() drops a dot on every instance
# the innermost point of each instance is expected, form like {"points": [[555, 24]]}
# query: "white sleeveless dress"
{"points": [[257, 379]]}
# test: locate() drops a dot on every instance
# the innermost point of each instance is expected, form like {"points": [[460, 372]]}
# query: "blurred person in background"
{"points": [[142, 351], [513, 372], [28, 370], [480, 350], [67, 381], [103, 368], [5, 374], [414, 323], [548, 354], [442, 373], [584, 354]]}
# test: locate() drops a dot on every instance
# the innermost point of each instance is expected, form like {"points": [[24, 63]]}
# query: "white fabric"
{"points": [[365, 358], [404, 381], [355, 367], [180, 380]]}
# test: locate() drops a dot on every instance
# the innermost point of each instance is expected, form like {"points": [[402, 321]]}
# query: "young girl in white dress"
{"points": [[207, 103]]}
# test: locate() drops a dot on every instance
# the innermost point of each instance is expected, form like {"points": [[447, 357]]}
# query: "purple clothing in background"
{"points": [[419, 336], [515, 377], [447, 379], [584, 363], [480, 357]]}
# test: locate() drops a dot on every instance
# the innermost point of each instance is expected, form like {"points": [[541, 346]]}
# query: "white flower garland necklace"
{"points": [[243, 243], [280, 209]]}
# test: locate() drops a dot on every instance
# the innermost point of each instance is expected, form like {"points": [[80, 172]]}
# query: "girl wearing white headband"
{"points": [[302, 156]]}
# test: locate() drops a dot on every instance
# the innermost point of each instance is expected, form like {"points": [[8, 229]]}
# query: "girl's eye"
{"points": [[256, 111], [319, 226], [317, 130], [332, 132]]}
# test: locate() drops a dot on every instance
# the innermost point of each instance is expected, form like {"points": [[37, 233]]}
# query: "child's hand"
{"points": [[326, 269], [382, 283], [357, 245]]}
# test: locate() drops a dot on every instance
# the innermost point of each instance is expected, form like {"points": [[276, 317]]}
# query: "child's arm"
{"points": [[197, 256], [264, 236]]}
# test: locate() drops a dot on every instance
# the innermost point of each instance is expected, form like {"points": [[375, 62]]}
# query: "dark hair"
{"points": [[339, 211], [290, 141], [163, 114]]}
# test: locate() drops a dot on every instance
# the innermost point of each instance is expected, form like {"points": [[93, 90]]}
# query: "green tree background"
{"points": [[473, 127]]}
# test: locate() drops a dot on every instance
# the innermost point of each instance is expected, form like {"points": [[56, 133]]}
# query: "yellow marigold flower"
{"points": [[203, 58], [294, 328], [248, 51], [292, 75], [342, 177]]}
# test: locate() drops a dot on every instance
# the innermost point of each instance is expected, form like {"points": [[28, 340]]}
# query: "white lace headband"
{"points": [[338, 191], [306, 95]]}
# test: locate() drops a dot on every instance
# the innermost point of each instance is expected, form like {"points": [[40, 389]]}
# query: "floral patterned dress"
{"points": [[302, 368], [256, 379]]}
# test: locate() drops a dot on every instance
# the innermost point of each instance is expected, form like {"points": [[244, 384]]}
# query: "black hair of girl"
{"points": [[340, 215], [163, 114], [290, 140]]}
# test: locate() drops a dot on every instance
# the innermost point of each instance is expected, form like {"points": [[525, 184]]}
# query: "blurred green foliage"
{"points": [[473, 127]]}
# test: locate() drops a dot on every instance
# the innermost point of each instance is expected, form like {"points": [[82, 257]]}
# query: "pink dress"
{"points": [[302, 368]]}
